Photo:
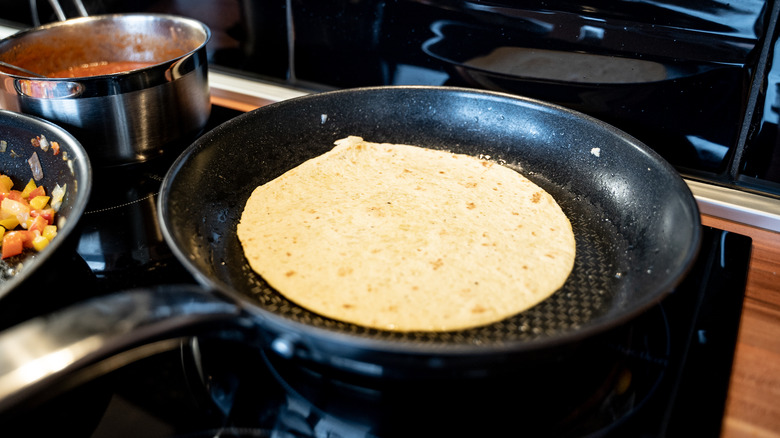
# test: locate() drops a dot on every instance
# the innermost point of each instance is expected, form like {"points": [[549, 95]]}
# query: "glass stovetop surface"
{"points": [[651, 382]]}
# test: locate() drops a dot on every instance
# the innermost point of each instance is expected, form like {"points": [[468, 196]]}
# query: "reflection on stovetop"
{"points": [[119, 234], [120, 237]]}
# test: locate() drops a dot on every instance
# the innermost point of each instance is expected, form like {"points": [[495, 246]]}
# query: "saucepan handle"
{"points": [[96, 336], [55, 4]]}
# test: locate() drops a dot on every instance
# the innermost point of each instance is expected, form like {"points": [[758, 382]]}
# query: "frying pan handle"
{"points": [[96, 336]]}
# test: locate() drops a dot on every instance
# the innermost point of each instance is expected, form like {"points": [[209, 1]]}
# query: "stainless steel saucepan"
{"points": [[123, 117]]}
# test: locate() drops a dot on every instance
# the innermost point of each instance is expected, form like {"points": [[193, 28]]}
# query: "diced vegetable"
{"points": [[39, 242], [37, 191], [57, 194], [46, 213], [29, 188], [13, 244], [39, 202], [6, 184], [9, 223], [37, 224], [49, 231], [10, 207], [27, 216]]}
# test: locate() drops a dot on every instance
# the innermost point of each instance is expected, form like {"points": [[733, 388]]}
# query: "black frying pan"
{"points": [[636, 223]]}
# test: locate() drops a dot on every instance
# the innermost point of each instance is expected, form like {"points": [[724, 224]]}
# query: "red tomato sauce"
{"points": [[97, 69]]}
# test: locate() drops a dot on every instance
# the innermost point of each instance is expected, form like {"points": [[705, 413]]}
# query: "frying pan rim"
{"points": [[82, 170], [302, 331]]}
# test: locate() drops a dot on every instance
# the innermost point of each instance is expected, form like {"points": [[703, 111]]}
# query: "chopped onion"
{"points": [[56, 196], [35, 166], [43, 143]]}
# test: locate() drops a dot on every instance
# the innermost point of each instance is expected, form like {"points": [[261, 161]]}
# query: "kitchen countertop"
{"points": [[753, 402]]}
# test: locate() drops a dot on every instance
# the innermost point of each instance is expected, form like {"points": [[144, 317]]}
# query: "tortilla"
{"points": [[404, 238], [572, 67]]}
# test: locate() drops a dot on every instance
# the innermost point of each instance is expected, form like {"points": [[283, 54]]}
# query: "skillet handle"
{"points": [[96, 336]]}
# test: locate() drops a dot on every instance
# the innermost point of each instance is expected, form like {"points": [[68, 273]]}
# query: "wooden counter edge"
{"points": [[753, 402]]}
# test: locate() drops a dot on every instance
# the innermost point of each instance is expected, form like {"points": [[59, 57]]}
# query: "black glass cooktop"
{"points": [[664, 374]]}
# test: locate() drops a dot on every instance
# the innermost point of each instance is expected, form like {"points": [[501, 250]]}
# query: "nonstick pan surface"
{"points": [[636, 223]]}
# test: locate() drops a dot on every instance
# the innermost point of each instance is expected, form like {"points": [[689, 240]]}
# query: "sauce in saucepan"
{"points": [[99, 68]]}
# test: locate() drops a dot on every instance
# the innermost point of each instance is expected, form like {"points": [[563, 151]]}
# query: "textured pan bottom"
{"points": [[587, 294]]}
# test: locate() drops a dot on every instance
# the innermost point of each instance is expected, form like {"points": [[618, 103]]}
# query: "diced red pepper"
{"points": [[46, 213], [13, 244], [16, 195], [27, 238], [38, 223], [38, 191]]}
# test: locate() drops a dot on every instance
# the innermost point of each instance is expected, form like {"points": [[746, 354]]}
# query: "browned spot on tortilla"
{"points": [[466, 292], [478, 309], [289, 273], [438, 263], [344, 271], [471, 205], [537, 196]]}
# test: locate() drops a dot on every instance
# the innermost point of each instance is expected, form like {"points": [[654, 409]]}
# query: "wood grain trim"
{"points": [[753, 402]]}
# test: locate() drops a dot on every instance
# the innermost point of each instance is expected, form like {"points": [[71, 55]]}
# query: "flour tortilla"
{"points": [[404, 238]]}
